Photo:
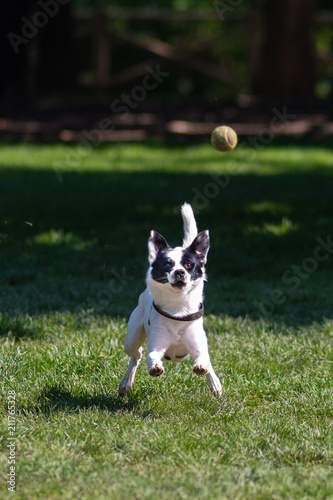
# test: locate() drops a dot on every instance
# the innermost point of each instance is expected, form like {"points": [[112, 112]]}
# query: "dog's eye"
{"points": [[188, 264], [169, 263]]}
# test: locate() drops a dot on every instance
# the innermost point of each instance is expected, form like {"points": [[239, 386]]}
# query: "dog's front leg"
{"points": [[197, 345], [158, 343]]}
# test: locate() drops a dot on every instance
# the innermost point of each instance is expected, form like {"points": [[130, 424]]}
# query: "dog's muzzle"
{"points": [[179, 278]]}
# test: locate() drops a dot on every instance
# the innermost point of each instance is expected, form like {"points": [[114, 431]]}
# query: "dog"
{"points": [[170, 310]]}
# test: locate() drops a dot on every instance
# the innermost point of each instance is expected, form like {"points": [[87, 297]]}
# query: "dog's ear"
{"points": [[200, 246], [156, 245]]}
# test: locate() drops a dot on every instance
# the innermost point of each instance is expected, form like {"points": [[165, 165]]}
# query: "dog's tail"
{"points": [[190, 226]]}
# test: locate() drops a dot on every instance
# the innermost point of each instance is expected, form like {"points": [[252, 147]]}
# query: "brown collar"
{"points": [[188, 317]]}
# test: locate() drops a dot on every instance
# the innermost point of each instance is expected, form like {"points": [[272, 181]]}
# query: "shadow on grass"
{"points": [[64, 240], [57, 399], [15, 329]]}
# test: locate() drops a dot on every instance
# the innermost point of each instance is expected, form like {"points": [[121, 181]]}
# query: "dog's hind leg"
{"points": [[128, 380], [213, 381], [134, 339], [133, 347]]}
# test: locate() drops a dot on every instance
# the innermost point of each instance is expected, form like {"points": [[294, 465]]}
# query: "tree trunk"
{"points": [[286, 65], [13, 49], [57, 71]]}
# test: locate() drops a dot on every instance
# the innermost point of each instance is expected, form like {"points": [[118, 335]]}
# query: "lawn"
{"points": [[73, 256]]}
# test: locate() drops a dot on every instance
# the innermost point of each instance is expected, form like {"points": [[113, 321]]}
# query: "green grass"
{"points": [[72, 263]]}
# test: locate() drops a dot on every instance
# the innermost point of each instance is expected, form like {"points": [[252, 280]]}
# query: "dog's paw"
{"points": [[214, 384], [216, 389], [156, 370], [122, 391], [200, 370]]}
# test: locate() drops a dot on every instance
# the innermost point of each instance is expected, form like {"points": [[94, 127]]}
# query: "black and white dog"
{"points": [[170, 310]]}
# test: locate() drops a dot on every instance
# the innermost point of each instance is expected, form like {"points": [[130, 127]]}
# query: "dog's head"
{"points": [[178, 268]]}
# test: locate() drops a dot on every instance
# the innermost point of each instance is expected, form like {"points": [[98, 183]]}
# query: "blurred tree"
{"points": [[57, 70], [13, 48], [47, 23], [286, 65]]}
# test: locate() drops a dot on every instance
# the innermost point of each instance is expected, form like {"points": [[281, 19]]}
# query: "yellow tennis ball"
{"points": [[224, 138]]}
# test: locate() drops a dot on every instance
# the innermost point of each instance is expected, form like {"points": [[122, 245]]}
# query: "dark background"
{"points": [[65, 62]]}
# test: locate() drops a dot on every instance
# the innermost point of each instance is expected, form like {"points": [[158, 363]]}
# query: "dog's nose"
{"points": [[179, 274]]}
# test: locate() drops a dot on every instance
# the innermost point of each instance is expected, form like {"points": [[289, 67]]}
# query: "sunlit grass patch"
{"points": [[281, 229], [59, 237]]}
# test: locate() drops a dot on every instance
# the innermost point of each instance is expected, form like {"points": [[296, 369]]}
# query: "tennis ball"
{"points": [[224, 138]]}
